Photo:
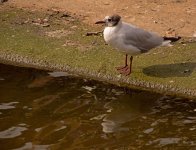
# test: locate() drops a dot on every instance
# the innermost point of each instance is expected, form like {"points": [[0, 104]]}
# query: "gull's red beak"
{"points": [[100, 22]]}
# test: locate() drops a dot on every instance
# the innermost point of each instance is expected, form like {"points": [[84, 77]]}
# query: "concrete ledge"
{"points": [[62, 46], [117, 80]]}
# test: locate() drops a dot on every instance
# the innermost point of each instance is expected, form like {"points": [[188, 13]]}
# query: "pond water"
{"points": [[52, 110]]}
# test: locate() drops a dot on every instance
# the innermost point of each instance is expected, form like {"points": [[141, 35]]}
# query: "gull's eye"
{"points": [[109, 19]]}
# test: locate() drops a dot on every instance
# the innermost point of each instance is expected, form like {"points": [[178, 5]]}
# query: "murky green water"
{"points": [[42, 111]]}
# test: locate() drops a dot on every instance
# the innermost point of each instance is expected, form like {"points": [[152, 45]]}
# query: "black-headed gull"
{"points": [[130, 39]]}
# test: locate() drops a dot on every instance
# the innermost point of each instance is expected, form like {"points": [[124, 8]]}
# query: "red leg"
{"points": [[123, 68], [128, 71]]}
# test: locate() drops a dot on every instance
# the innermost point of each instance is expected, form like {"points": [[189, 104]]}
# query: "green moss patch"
{"points": [[61, 44]]}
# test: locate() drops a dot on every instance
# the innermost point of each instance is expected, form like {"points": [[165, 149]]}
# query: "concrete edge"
{"points": [[18, 60]]}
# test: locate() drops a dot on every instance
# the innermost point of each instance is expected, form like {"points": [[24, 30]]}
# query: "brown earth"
{"points": [[160, 16], [39, 36]]}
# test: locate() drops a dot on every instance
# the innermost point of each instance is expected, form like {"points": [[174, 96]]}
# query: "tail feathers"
{"points": [[167, 43], [167, 40], [172, 39]]}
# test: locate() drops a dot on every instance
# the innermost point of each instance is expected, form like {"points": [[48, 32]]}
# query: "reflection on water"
{"points": [[7, 105], [125, 109], [12, 132], [44, 110]]}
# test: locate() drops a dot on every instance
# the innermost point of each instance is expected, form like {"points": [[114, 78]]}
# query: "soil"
{"points": [[51, 36], [166, 16]]}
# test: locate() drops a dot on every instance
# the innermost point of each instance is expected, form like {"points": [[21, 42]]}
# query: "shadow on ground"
{"points": [[170, 70]]}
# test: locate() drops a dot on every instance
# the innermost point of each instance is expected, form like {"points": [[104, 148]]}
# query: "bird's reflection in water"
{"points": [[126, 109]]}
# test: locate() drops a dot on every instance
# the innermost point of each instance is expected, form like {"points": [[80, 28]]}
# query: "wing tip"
{"points": [[172, 39]]}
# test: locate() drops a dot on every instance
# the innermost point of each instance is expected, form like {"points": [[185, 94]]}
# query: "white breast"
{"points": [[109, 34], [114, 37]]}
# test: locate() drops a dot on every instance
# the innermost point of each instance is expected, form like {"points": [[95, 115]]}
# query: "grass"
{"points": [[171, 69]]}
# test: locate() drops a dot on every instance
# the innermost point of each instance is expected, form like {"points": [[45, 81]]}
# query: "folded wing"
{"points": [[143, 40]]}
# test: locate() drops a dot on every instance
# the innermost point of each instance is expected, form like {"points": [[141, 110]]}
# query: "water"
{"points": [[43, 110]]}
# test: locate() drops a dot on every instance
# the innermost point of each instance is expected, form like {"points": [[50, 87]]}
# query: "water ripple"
{"points": [[10, 105], [12, 132]]}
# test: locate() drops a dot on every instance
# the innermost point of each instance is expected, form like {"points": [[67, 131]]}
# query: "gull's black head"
{"points": [[110, 21]]}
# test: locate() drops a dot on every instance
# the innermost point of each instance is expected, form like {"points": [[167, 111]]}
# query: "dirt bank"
{"points": [[156, 15], [56, 40]]}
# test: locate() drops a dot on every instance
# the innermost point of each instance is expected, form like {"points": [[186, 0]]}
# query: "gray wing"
{"points": [[143, 40]]}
